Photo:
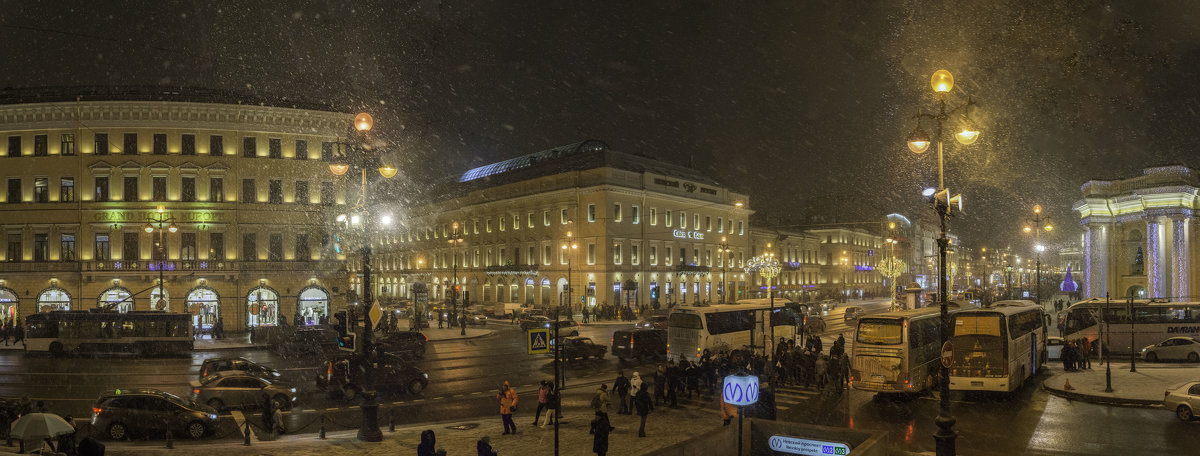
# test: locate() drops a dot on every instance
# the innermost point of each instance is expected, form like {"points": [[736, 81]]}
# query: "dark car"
{"points": [[653, 322], [640, 344], [307, 342], [120, 413], [241, 390], [407, 344], [529, 322], [582, 348], [345, 377], [212, 366], [853, 313]]}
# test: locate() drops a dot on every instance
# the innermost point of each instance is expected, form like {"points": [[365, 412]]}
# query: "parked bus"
{"points": [[723, 327], [1152, 322], [83, 331], [997, 348], [898, 352]]}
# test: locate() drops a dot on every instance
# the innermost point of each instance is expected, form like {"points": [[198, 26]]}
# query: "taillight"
{"points": [[426, 337], [97, 410], [196, 391]]}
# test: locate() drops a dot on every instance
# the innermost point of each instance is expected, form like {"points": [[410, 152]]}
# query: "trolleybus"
{"points": [[90, 331]]}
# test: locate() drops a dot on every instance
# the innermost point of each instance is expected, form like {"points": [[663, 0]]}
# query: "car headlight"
{"points": [[292, 389], [212, 416], [426, 376]]}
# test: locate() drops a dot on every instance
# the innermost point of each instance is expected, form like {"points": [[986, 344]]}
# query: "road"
{"points": [[465, 374]]}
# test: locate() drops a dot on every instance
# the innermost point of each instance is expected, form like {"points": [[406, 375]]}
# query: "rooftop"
{"points": [[12, 96]]}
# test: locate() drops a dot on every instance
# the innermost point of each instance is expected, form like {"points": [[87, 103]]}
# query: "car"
{"points": [[1054, 348], [123, 412], [307, 342], [814, 324], [407, 344], [1179, 348], [828, 305], [344, 377], [477, 319], [241, 390], [566, 328], [1183, 399], [639, 344], [852, 314], [213, 366], [529, 322], [653, 322], [581, 348]]}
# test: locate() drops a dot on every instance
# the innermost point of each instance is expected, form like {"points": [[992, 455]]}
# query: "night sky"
{"points": [[805, 105]]}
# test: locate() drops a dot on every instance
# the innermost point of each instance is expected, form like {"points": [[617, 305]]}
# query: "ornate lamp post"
{"points": [[768, 267], [919, 141], [455, 239], [1036, 225], [360, 156], [160, 218], [723, 252]]}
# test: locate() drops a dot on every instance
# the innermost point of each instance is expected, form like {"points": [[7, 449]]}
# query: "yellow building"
{"points": [[245, 186]]}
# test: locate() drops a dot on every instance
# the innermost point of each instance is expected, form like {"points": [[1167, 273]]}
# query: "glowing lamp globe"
{"points": [[740, 390], [339, 169], [942, 81], [363, 122], [388, 171], [918, 141], [967, 133]]}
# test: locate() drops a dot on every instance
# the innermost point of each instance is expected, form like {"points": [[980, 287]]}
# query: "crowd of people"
{"points": [[12, 331], [1076, 355]]}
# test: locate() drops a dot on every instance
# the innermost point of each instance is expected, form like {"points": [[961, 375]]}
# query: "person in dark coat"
{"points": [[644, 405], [268, 417], [484, 447], [600, 428], [427, 447], [660, 384], [765, 407], [621, 389]]}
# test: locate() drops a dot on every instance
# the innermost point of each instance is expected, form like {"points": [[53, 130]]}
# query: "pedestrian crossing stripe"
{"points": [[538, 341]]}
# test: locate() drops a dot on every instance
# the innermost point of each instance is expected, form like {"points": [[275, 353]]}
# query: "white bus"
{"points": [[1153, 321], [898, 352], [89, 332], [724, 327], [997, 348]]}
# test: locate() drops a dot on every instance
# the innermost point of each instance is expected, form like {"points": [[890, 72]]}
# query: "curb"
{"points": [[488, 334], [1101, 400]]}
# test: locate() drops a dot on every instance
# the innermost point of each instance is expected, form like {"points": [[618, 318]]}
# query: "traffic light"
{"points": [[346, 342], [337, 243]]}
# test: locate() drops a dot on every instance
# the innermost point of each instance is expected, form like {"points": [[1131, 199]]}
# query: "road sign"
{"points": [[538, 341], [947, 354], [807, 447], [376, 314]]}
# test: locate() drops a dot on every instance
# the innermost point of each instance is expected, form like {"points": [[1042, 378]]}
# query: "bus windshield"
{"points": [[880, 331], [685, 320]]}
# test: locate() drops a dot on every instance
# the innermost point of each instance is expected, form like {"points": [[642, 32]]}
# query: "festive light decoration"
{"points": [[891, 268]]}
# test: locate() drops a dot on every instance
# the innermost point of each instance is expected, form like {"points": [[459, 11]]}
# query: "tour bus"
{"points": [[1153, 321], [84, 331], [997, 348], [898, 352], [724, 327]]}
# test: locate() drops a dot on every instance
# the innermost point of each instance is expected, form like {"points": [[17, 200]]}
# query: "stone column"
{"points": [[1089, 267], [1181, 258], [1155, 286]]}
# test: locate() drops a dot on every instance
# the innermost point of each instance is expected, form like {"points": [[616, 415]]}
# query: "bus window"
{"points": [[880, 332], [40, 328], [727, 322], [685, 320]]}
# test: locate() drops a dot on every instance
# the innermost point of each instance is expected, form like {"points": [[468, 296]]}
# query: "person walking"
{"points": [[508, 406], [621, 389], [600, 428], [1085, 353], [673, 382], [551, 405], [428, 445], [219, 328], [643, 403], [543, 391], [635, 385], [600, 400], [660, 384], [820, 366]]}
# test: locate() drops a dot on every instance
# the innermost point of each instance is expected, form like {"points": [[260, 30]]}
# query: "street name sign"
{"points": [[807, 447], [538, 341]]}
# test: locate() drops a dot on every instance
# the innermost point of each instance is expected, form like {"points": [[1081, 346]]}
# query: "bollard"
{"points": [[170, 440], [246, 440], [321, 430], [391, 420]]}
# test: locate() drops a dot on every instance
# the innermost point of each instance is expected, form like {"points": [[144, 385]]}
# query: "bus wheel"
{"points": [[1193, 357], [56, 349]]}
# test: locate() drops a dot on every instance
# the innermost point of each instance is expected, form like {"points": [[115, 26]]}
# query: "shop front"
{"points": [[262, 307], [312, 306]]}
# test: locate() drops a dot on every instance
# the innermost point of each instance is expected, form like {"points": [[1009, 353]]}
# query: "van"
{"points": [[642, 345], [852, 314]]}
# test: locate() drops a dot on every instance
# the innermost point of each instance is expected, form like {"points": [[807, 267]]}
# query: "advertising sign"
{"points": [[807, 447]]}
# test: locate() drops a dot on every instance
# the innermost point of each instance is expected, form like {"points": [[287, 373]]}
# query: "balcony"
{"points": [[513, 269], [39, 266], [154, 266], [691, 269]]}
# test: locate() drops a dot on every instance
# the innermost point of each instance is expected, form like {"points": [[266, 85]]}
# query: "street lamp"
{"points": [[160, 218], [845, 270], [919, 141], [722, 251], [455, 239], [360, 156], [767, 267], [568, 248], [1036, 225]]}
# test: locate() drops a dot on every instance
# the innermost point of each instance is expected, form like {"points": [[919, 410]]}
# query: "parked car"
{"points": [[653, 322], [1183, 399], [566, 328], [240, 390], [1178, 348], [407, 344], [529, 322], [581, 348], [124, 412], [213, 366], [1054, 348], [639, 344], [307, 342], [477, 319], [344, 377], [853, 313]]}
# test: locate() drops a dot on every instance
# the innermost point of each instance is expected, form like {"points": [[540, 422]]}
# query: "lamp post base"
{"points": [[369, 430], [945, 435]]}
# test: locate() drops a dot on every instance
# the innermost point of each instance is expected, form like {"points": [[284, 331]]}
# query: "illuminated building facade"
{"points": [[1137, 234], [244, 185]]}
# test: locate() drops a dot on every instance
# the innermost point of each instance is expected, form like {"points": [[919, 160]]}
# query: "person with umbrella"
{"points": [[35, 427]]}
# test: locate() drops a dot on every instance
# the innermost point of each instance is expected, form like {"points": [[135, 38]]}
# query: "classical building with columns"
{"points": [[1137, 234], [242, 181]]}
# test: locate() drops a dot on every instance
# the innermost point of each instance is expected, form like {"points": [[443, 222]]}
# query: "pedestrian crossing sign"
{"points": [[539, 341]]}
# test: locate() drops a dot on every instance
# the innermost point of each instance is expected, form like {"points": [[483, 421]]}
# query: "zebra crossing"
{"points": [[787, 397]]}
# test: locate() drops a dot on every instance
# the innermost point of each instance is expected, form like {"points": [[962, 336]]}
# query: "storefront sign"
{"points": [[681, 234], [807, 447], [145, 216], [864, 268]]}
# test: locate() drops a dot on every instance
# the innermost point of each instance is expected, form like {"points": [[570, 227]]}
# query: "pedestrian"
{"points": [[820, 367], [673, 380], [428, 444], [585, 315], [543, 391], [219, 328], [6, 332], [601, 427], [621, 389], [600, 399], [551, 405], [643, 404], [441, 319], [1085, 353], [66, 442], [268, 415], [764, 408], [462, 324], [635, 385], [508, 406], [660, 384], [277, 420], [484, 447], [728, 411]]}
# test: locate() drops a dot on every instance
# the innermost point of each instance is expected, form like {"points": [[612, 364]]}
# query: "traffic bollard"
{"points": [[246, 440], [170, 440], [392, 420], [321, 430]]}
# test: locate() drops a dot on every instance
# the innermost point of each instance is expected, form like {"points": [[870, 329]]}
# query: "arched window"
{"points": [[163, 304], [8, 304], [205, 306], [53, 298], [1136, 292], [262, 307], [1136, 255], [312, 305], [487, 290], [118, 298]]}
